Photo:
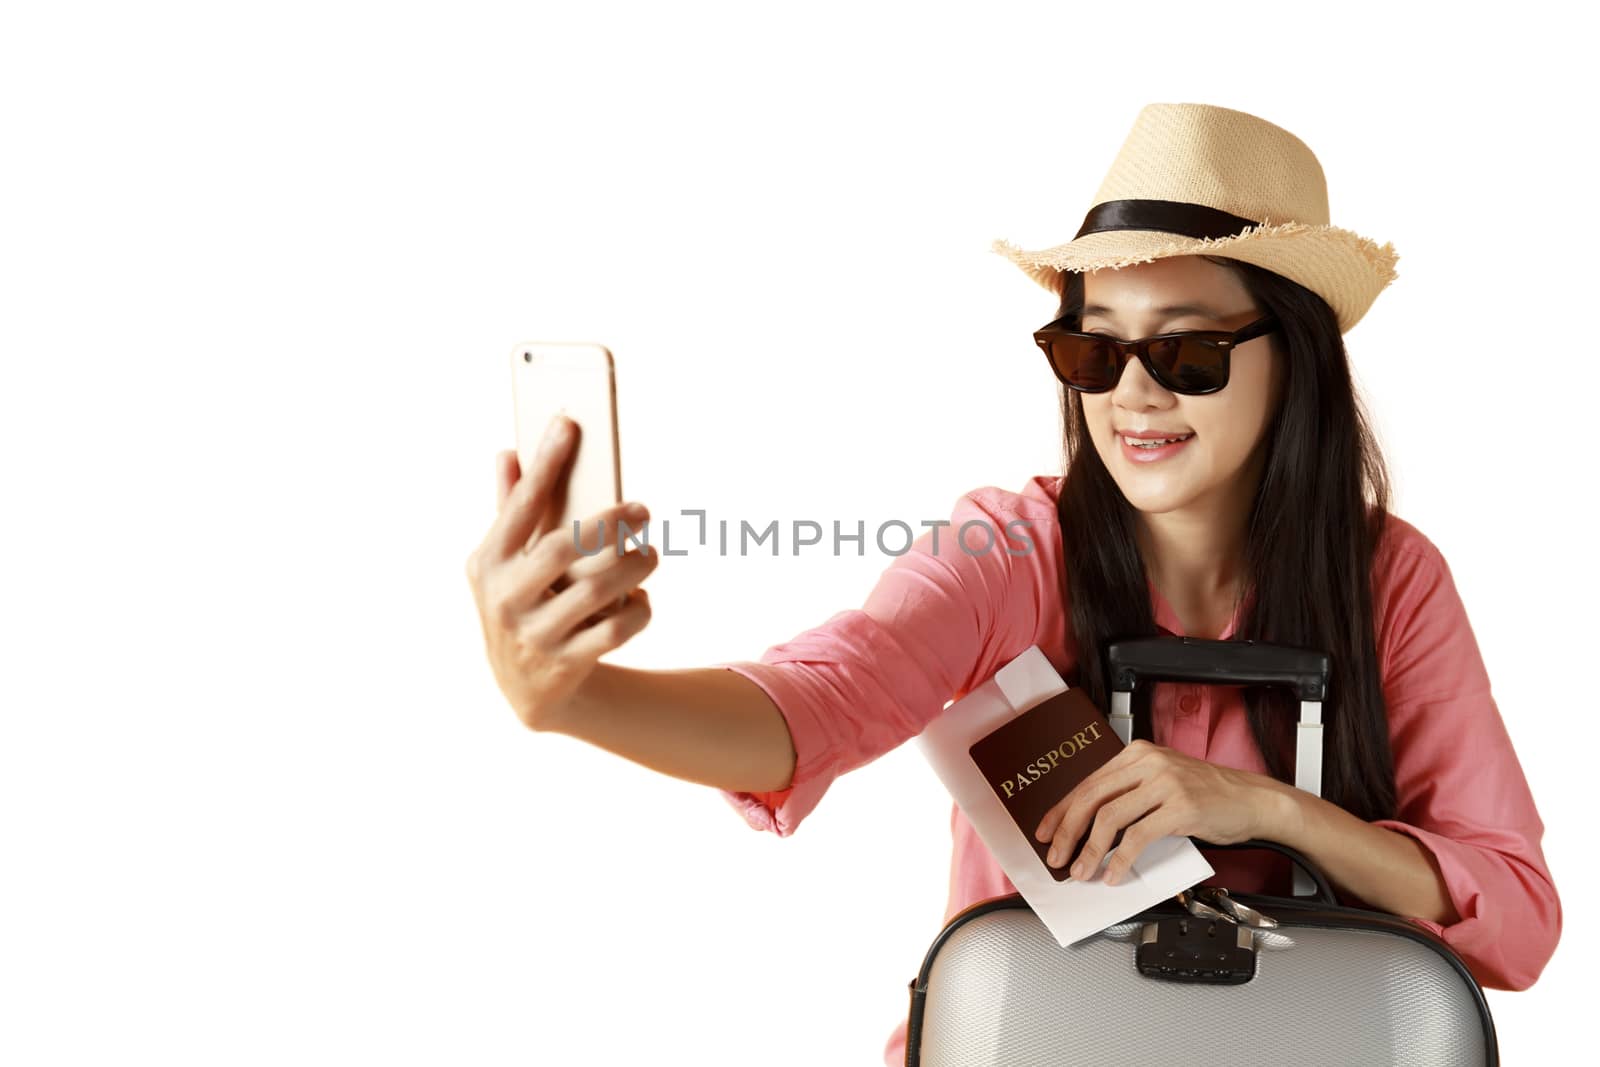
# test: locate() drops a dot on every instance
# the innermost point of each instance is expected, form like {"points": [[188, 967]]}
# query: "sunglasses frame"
{"points": [[1226, 340]]}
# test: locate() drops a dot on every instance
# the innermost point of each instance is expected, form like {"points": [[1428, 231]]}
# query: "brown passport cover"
{"points": [[1038, 757]]}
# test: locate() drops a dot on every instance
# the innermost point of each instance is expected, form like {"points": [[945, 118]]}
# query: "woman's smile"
{"points": [[1139, 449]]}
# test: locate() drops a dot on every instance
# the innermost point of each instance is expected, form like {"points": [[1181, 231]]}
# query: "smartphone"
{"points": [[577, 380]]}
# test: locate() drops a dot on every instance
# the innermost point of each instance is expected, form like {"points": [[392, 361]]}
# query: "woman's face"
{"points": [[1219, 463]]}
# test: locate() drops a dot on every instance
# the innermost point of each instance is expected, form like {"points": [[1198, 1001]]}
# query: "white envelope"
{"points": [[1071, 910]]}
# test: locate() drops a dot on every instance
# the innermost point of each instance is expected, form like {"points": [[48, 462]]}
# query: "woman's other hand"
{"points": [[548, 611], [1150, 792]]}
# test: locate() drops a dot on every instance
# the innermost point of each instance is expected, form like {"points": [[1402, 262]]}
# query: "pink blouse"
{"points": [[941, 622]]}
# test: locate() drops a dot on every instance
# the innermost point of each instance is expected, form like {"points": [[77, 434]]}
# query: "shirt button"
{"points": [[1188, 703]]}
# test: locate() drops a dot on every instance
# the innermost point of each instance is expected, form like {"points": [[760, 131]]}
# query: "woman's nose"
{"points": [[1138, 391]]}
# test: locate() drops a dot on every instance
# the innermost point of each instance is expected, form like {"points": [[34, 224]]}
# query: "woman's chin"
{"points": [[1154, 499]]}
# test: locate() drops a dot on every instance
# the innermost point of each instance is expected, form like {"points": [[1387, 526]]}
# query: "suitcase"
{"points": [[1199, 978]]}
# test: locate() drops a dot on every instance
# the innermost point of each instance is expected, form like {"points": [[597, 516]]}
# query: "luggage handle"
{"points": [[1195, 659], [1316, 885]]}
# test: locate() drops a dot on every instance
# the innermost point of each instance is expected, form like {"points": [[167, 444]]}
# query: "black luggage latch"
{"points": [[1187, 949]]}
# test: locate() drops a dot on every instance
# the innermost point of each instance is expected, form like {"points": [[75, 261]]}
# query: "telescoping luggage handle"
{"points": [[1194, 659]]}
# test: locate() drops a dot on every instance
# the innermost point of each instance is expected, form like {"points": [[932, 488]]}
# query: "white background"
{"points": [[260, 273]]}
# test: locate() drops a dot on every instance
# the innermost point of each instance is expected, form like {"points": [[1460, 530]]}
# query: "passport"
{"points": [[1025, 692], [1037, 758]]}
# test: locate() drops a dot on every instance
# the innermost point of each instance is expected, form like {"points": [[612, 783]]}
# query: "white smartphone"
{"points": [[577, 380]]}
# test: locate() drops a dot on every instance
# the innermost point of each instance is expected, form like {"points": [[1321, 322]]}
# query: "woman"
{"points": [[1221, 483]]}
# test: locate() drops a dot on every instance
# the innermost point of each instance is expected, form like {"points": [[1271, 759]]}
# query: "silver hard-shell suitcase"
{"points": [[1186, 981]]}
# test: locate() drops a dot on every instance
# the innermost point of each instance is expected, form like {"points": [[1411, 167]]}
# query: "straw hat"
{"points": [[1198, 179]]}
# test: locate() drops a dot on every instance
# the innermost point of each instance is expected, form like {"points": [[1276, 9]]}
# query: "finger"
{"points": [[1070, 833], [507, 472], [530, 577], [592, 642], [596, 594], [524, 514], [1138, 837], [1087, 789], [1109, 821], [1089, 798], [1069, 820], [623, 534]]}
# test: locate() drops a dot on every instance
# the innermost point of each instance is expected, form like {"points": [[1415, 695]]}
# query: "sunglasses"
{"points": [[1193, 362]]}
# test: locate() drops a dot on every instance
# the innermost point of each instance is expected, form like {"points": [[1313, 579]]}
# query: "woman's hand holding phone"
{"points": [[548, 610]]}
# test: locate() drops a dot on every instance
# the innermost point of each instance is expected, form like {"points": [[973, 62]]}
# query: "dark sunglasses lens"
{"points": [[1189, 364], [1084, 363]]}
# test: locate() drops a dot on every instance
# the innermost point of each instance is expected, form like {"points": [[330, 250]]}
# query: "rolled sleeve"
{"points": [[1504, 947], [933, 626], [780, 811], [1460, 789]]}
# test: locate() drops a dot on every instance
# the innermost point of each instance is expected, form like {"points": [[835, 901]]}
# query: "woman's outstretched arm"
{"points": [[549, 612], [706, 725]]}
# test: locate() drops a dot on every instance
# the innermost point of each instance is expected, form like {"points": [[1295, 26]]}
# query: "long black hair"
{"points": [[1314, 526]]}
